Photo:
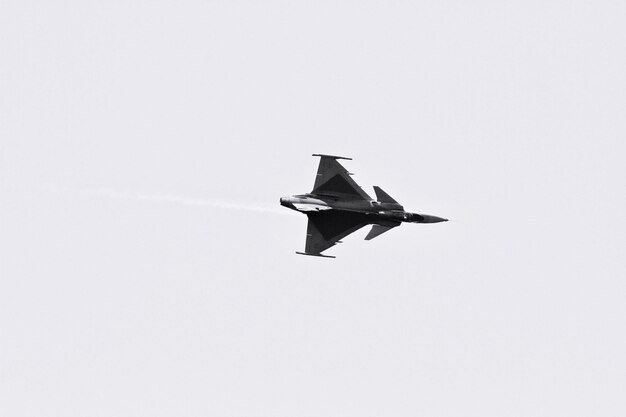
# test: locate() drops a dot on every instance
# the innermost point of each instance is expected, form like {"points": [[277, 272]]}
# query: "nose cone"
{"points": [[432, 219]]}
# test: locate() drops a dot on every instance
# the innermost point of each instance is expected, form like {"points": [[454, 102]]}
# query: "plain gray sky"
{"points": [[132, 282]]}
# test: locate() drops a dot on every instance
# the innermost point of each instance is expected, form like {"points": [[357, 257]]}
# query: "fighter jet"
{"points": [[337, 206]]}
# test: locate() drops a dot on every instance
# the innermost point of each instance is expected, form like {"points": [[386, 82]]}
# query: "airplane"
{"points": [[338, 206]]}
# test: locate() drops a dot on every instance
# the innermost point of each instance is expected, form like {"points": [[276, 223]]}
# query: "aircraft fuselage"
{"points": [[379, 211], [338, 206]]}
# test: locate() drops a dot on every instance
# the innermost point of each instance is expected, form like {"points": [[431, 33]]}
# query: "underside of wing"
{"points": [[333, 179], [325, 228]]}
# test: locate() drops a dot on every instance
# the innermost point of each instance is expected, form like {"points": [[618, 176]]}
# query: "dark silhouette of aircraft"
{"points": [[337, 206]]}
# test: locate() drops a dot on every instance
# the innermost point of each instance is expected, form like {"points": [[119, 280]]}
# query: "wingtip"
{"points": [[319, 255], [331, 156]]}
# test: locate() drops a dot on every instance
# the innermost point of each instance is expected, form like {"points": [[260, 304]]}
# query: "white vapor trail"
{"points": [[176, 199], [200, 202]]}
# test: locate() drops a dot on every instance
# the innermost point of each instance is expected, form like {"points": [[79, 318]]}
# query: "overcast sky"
{"points": [[147, 268]]}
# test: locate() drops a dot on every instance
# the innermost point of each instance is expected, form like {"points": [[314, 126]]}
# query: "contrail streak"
{"points": [[175, 199]]}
